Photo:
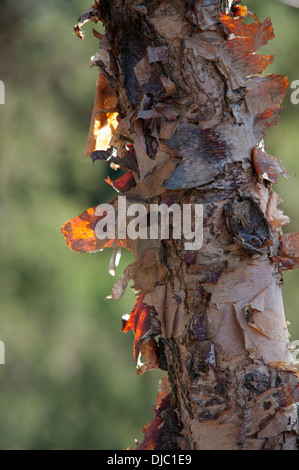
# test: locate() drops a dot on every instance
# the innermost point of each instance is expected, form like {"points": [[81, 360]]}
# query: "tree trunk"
{"points": [[180, 106]]}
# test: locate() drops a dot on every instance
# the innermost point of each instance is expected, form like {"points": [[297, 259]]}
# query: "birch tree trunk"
{"points": [[181, 107]]}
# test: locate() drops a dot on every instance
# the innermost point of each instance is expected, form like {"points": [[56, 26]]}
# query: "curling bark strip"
{"points": [[191, 117]]}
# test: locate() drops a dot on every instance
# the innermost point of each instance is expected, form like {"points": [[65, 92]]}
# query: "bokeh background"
{"points": [[70, 381]]}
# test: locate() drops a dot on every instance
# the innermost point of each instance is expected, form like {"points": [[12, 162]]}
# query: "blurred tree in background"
{"points": [[69, 381]]}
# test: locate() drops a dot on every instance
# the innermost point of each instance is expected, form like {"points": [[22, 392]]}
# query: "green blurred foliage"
{"points": [[70, 381]]}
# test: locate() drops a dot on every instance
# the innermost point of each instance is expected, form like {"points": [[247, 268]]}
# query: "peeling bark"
{"points": [[181, 107]]}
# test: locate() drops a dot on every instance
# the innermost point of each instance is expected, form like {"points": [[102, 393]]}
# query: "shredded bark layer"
{"points": [[181, 108]]}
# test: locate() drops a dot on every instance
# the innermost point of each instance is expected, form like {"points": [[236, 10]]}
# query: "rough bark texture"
{"points": [[180, 106]]}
